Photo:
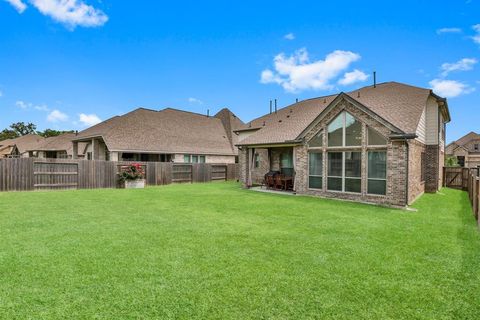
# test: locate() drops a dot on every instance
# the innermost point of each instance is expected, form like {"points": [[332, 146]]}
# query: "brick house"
{"points": [[466, 150], [167, 135], [380, 144]]}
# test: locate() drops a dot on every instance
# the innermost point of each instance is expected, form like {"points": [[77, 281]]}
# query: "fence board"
{"points": [[21, 174]]}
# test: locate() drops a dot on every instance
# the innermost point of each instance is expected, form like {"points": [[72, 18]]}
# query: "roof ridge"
{"points": [[186, 111]]}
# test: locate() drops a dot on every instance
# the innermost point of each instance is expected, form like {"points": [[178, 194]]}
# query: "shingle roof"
{"points": [[23, 143], [400, 104], [61, 142], [167, 131], [467, 138]]}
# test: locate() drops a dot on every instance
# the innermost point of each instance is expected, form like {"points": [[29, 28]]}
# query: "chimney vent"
{"points": [[374, 79], [208, 112], [270, 106], [275, 105]]}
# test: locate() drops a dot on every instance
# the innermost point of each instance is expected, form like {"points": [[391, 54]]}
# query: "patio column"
{"points": [[75, 150], [94, 149], [249, 167]]}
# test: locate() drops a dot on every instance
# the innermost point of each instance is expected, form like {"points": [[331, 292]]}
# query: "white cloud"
{"points": [[297, 72], [289, 36], [57, 116], [89, 119], [195, 100], [464, 64], [18, 5], [449, 30], [22, 104], [476, 38], [449, 88], [72, 13], [42, 107], [353, 77]]}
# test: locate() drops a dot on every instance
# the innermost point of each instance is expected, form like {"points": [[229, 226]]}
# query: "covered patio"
{"points": [[271, 167]]}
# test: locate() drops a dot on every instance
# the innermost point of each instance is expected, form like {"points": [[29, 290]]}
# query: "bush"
{"points": [[132, 172]]}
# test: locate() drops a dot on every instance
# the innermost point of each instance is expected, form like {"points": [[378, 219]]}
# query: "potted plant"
{"points": [[132, 176]]}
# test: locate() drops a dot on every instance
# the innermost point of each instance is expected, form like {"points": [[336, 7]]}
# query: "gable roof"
{"points": [[398, 104], [467, 138], [61, 142], [23, 143], [165, 131]]}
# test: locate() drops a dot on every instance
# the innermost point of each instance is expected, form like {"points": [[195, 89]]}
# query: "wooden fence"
{"points": [[47, 174], [467, 179]]}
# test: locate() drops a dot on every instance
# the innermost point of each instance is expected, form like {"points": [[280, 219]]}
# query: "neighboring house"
{"points": [[19, 147], [58, 147], [381, 144], [168, 135], [466, 150]]}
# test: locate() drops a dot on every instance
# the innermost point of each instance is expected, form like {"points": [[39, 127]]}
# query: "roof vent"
{"points": [[324, 100], [358, 94], [288, 116], [291, 110], [249, 124], [279, 120], [264, 123]]}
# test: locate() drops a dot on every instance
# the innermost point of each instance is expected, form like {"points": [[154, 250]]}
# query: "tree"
{"points": [[7, 134], [23, 129], [451, 161], [52, 133]]}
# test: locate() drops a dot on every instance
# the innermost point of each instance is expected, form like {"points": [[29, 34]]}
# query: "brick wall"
{"points": [[432, 155], [416, 186]]}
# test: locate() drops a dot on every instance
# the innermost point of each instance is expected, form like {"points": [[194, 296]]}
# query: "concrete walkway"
{"points": [[263, 189]]}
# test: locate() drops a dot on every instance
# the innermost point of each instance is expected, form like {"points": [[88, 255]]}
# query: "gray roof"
{"points": [[23, 143], [61, 142], [399, 104], [166, 131]]}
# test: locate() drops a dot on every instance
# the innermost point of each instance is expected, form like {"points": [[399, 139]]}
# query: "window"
{"points": [[377, 172], [344, 171], [315, 170], [186, 158], [475, 146], [422, 166], [375, 138], [286, 163], [257, 160], [202, 159], [344, 131], [316, 141], [193, 158]]}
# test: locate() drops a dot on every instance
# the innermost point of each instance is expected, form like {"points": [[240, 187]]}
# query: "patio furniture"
{"points": [[279, 181]]}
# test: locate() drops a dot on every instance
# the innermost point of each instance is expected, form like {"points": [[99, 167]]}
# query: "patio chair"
{"points": [[270, 182], [278, 181]]}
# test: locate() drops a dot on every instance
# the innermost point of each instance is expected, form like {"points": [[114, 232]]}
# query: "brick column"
{"points": [[431, 168]]}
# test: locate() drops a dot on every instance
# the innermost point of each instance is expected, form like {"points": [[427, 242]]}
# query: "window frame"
{"points": [[343, 114], [315, 175], [375, 145], [378, 179], [343, 176]]}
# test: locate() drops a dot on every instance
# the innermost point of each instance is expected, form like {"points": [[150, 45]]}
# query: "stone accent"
{"points": [[432, 155], [416, 187]]}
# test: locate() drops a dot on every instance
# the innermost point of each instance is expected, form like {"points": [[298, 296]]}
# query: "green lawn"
{"points": [[217, 251]]}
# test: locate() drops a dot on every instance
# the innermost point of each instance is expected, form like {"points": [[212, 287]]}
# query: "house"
{"points": [[168, 135], [466, 150], [19, 147], [58, 147], [380, 144]]}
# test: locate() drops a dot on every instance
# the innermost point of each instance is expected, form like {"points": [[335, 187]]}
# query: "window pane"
{"points": [[377, 186], [194, 159], [316, 141], [377, 164], [315, 164], [186, 158], [315, 182], [353, 185], [334, 184], [202, 159], [353, 131], [335, 164], [286, 160], [335, 131], [375, 138], [353, 164]]}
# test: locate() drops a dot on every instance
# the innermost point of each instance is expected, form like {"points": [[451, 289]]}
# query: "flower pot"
{"points": [[135, 184]]}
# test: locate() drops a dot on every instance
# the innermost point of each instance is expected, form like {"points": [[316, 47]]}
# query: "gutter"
{"points": [[402, 136]]}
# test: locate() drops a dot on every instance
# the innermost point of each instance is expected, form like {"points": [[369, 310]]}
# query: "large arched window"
{"points": [[344, 131]]}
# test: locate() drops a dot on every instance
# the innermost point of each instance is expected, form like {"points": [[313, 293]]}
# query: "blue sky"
{"points": [[67, 64]]}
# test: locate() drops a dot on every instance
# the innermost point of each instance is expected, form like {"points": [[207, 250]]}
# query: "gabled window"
{"points": [[344, 131], [316, 141], [344, 171], [375, 139]]}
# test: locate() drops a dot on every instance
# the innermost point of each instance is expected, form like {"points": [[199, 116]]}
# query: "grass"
{"points": [[217, 251]]}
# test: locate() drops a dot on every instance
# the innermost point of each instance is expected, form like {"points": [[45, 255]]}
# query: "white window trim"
{"points": [[343, 177], [378, 179], [314, 175], [343, 114]]}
